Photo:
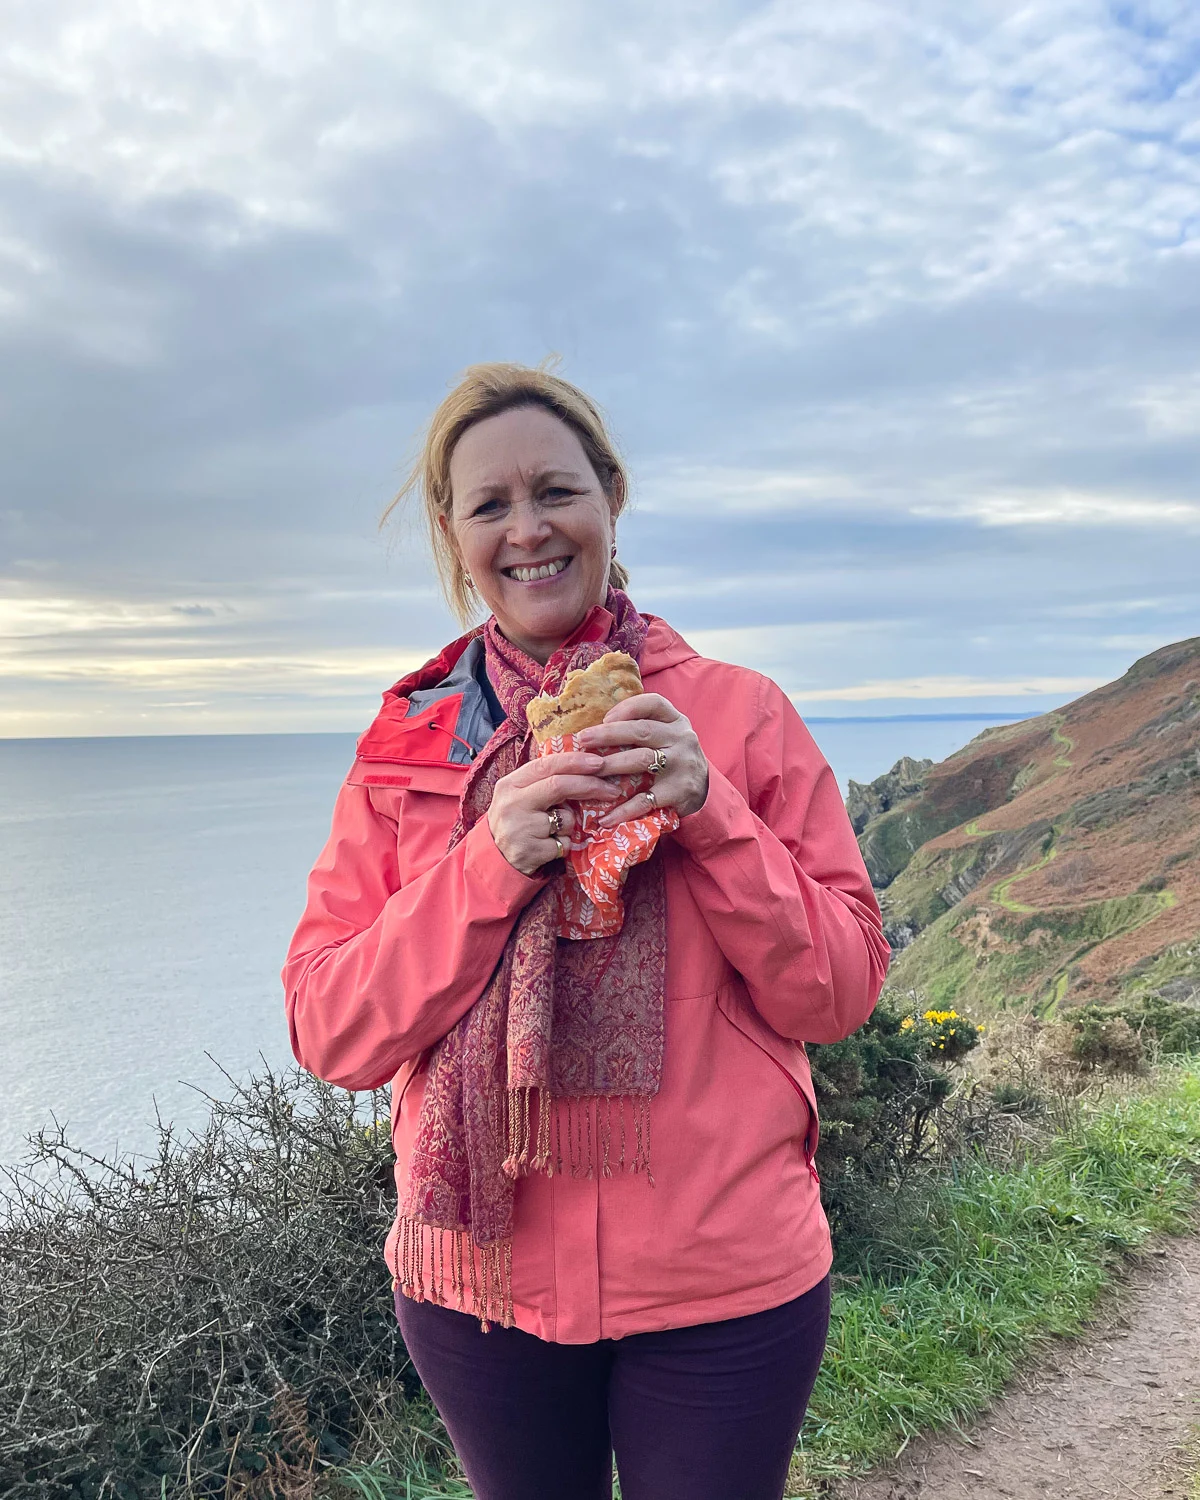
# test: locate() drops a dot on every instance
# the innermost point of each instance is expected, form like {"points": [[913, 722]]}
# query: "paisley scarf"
{"points": [[566, 1040]]}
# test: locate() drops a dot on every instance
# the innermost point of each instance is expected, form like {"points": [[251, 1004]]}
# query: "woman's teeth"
{"points": [[547, 570]]}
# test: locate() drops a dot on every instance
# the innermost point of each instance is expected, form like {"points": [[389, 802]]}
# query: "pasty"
{"points": [[597, 859], [587, 695]]}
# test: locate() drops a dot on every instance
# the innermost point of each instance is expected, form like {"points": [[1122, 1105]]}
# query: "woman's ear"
{"points": [[617, 496], [447, 531]]}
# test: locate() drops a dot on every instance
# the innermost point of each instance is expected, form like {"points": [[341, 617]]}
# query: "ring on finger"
{"points": [[658, 762], [555, 816], [650, 798], [558, 844]]}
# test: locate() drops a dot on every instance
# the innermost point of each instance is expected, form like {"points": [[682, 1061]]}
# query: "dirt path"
{"points": [[1100, 1420]]}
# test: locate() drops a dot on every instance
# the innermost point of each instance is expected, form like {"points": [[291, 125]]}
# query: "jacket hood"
{"points": [[664, 647]]}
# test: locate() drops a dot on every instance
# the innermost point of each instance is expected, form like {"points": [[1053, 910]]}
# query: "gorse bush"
{"points": [[215, 1321], [1160, 1024], [947, 1036], [881, 1095]]}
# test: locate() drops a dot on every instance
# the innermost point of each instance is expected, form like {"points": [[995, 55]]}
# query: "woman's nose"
{"points": [[527, 526]]}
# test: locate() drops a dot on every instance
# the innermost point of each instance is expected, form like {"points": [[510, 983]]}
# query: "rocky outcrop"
{"points": [[867, 800]]}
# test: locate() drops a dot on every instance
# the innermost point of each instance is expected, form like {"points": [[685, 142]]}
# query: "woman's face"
{"points": [[532, 525]]}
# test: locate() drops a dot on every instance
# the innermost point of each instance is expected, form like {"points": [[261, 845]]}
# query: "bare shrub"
{"points": [[215, 1321]]}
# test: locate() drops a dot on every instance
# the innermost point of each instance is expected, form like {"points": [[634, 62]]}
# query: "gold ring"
{"points": [[658, 763], [555, 817], [562, 853], [651, 798]]}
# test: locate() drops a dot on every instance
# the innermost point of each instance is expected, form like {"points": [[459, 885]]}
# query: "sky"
{"points": [[894, 308]]}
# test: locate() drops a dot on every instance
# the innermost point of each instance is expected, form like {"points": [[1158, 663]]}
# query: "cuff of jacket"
{"points": [[703, 832], [484, 862]]}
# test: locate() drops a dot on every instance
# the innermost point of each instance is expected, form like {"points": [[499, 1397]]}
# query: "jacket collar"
{"points": [[664, 647], [436, 669]]}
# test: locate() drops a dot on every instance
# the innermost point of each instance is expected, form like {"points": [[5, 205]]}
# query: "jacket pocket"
{"points": [[408, 776], [788, 1056]]}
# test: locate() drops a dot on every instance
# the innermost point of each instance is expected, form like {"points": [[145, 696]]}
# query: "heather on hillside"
{"points": [[1051, 863]]}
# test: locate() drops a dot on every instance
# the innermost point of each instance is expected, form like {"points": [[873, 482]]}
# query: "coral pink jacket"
{"points": [[774, 939]]}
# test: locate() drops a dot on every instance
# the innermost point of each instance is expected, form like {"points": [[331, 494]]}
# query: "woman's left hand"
{"points": [[649, 723]]}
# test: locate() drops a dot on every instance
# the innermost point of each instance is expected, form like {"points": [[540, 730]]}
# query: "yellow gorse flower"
{"points": [[939, 1019]]}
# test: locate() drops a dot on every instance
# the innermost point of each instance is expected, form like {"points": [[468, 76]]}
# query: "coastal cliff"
{"points": [[1051, 862]]}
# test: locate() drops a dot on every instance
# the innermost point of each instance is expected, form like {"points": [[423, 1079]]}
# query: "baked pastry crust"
{"points": [[587, 695]]}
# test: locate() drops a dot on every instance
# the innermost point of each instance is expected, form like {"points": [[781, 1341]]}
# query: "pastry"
{"points": [[587, 695]]}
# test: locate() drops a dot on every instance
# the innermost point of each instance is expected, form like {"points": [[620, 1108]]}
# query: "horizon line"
{"points": [[252, 734]]}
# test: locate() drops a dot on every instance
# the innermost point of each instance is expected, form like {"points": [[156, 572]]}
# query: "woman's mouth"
{"points": [[535, 572]]}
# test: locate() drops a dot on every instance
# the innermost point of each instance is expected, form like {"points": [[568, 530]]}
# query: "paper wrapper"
{"points": [[598, 859]]}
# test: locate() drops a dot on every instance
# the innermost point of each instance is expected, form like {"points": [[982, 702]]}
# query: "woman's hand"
{"points": [[652, 724], [522, 801]]}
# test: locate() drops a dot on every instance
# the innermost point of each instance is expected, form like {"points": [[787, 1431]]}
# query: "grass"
{"points": [[374, 1483], [1034, 948], [998, 1262]]}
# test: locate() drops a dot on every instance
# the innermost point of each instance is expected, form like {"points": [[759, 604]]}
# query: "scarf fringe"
{"points": [[428, 1256], [531, 1115]]}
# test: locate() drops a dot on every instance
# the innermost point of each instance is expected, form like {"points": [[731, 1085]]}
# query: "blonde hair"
{"points": [[486, 391]]}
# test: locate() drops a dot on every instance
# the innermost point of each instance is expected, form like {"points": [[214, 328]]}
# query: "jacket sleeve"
{"points": [[378, 971], [782, 884]]}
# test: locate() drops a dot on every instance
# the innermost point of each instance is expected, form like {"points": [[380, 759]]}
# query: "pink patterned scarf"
{"points": [[576, 1022]]}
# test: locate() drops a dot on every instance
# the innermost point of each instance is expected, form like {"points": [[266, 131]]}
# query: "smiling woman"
{"points": [[569, 431], [564, 1291]]}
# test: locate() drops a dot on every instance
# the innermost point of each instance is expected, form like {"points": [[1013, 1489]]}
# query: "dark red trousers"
{"points": [[709, 1412]]}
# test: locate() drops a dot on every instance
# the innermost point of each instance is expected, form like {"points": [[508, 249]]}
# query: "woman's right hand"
{"points": [[519, 815]]}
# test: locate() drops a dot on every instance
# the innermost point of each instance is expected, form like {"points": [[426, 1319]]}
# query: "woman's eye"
{"points": [[488, 508]]}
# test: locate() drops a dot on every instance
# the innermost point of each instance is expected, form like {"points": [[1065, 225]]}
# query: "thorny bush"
{"points": [[215, 1320]]}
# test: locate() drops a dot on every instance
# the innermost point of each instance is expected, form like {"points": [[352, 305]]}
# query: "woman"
{"points": [[609, 1234]]}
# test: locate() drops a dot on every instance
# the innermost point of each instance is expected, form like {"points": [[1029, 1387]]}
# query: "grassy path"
{"points": [[1000, 892], [1105, 1418], [998, 1262]]}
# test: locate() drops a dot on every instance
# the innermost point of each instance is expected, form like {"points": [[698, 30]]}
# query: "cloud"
{"points": [[954, 688], [1059, 508], [894, 309]]}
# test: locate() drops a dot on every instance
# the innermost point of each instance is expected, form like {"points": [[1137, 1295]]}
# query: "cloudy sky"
{"points": [[895, 309]]}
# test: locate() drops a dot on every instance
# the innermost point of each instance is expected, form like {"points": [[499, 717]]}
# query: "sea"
{"points": [[148, 890]]}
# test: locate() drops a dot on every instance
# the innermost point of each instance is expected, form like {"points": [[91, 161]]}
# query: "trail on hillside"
{"points": [[1000, 893], [1100, 1419]]}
